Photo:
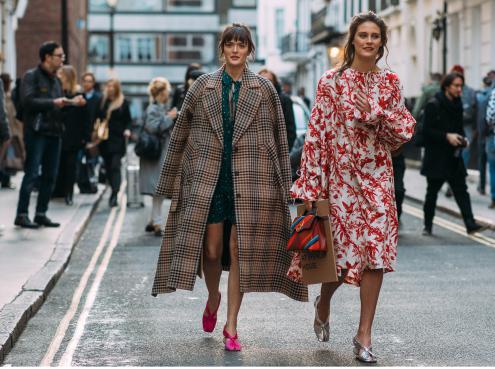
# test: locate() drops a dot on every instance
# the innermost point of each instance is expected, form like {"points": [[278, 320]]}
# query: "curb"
{"points": [[15, 315]]}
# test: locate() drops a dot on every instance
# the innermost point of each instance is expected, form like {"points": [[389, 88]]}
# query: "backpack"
{"points": [[418, 138]]}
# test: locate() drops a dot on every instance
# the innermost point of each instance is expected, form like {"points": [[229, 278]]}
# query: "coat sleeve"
{"points": [[280, 135], [395, 124], [180, 134], [309, 184], [490, 110], [126, 115], [431, 130]]}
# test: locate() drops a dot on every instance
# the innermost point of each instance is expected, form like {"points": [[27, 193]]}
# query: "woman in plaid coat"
{"points": [[228, 175]]}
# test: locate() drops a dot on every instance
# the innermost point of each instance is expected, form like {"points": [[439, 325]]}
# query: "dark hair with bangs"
{"points": [[237, 32]]}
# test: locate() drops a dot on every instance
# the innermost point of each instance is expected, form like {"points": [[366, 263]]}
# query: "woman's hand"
{"points": [[362, 102], [127, 133], [308, 204]]}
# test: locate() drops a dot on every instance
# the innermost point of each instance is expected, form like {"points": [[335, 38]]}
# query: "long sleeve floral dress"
{"points": [[347, 160]]}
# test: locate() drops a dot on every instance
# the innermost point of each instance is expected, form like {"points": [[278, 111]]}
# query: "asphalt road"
{"points": [[436, 310]]}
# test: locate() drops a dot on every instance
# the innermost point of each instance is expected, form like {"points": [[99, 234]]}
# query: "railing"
{"points": [[297, 42]]}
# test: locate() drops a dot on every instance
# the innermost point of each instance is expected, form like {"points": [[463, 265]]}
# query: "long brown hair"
{"points": [[70, 75], [349, 50], [118, 98]]}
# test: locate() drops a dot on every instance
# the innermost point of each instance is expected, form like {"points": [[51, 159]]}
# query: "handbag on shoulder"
{"points": [[100, 129], [307, 233], [148, 145]]}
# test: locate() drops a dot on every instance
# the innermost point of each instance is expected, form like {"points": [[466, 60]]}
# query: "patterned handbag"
{"points": [[307, 234]]}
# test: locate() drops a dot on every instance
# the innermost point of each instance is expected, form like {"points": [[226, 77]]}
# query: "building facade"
{"points": [[158, 38], [61, 21], [10, 12]]}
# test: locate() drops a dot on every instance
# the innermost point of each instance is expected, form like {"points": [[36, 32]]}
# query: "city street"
{"points": [[436, 310]]}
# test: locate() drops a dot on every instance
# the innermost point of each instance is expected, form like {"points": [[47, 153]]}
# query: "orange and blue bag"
{"points": [[307, 233]]}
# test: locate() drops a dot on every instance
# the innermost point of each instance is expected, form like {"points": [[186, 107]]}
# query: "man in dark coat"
{"points": [[444, 140], [42, 100]]}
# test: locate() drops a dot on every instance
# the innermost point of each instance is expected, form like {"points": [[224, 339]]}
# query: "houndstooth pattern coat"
{"points": [[261, 176]]}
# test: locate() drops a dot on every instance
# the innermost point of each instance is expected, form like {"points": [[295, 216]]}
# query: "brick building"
{"points": [[44, 20]]}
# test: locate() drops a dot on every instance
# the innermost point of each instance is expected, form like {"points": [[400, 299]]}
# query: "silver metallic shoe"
{"points": [[363, 353], [322, 330]]}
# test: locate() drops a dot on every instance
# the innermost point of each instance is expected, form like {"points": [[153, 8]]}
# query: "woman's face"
{"points": [[235, 53], [367, 40], [110, 90]]}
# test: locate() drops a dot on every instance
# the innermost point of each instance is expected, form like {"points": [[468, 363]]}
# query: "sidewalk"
{"points": [[415, 185], [32, 260]]}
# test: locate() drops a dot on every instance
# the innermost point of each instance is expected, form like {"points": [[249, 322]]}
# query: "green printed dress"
{"points": [[222, 206]]}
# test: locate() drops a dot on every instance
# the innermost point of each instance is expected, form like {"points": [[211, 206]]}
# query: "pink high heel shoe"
{"points": [[231, 342], [210, 318]]}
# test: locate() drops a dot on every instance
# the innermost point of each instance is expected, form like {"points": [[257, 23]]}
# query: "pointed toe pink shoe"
{"points": [[210, 318], [231, 342]]}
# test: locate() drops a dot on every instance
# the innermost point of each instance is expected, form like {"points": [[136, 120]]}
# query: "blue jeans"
{"points": [[490, 155], [41, 151]]}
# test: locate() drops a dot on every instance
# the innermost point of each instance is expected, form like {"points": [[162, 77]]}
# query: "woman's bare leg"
{"points": [[212, 262], [327, 291], [369, 292], [234, 291]]}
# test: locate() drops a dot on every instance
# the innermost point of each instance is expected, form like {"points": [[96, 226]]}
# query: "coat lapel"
{"points": [[249, 101], [212, 102]]}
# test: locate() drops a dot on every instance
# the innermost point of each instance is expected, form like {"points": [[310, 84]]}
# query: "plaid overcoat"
{"points": [[261, 177]]}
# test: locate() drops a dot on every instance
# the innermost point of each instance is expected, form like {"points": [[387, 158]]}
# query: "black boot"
{"points": [[24, 222], [473, 227], [68, 200], [43, 220], [112, 202]]}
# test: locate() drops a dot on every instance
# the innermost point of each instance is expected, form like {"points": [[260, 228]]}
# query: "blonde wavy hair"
{"points": [[157, 86], [70, 76]]}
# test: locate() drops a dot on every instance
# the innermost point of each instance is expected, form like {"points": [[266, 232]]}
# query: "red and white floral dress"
{"points": [[347, 160]]}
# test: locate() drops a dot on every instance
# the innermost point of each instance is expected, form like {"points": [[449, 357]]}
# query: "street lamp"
{"points": [[112, 4]]}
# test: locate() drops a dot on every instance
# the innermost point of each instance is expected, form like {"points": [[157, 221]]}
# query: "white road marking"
{"points": [[76, 298], [66, 359], [451, 226]]}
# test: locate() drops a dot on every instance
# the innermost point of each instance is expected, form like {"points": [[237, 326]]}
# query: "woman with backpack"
{"points": [[158, 121]]}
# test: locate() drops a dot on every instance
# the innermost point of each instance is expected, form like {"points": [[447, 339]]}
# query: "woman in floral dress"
{"points": [[358, 119]]}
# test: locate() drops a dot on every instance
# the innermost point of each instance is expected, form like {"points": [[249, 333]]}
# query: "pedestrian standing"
{"points": [[482, 98], [181, 90], [230, 190], [92, 97], [301, 92], [427, 92], [77, 133], [490, 144], [114, 109], [445, 139], [287, 108], [358, 118], [15, 151], [158, 121], [42, 101]]}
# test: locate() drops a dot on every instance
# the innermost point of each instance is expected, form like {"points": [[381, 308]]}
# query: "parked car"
{"points": [[301, 115]]}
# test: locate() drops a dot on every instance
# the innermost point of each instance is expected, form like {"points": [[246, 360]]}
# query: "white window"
{"points": [[190, 5], [244, 3], [99, 48], [189, 48], [127, 5], [138, 48]]}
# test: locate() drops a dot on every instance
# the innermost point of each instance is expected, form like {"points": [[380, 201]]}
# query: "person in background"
{"points": [[490, 144], [301, 92], [41, 100], [482, 98], [442, 162], [15, 149], [290, 121], [92, 96], [287, 88], [114, 108], [469, 108], [159, 121], [77, 133], [427, 92], [181, 90]]}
